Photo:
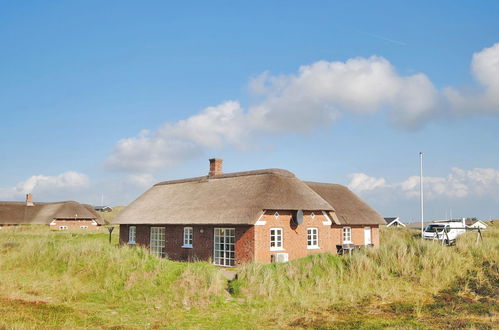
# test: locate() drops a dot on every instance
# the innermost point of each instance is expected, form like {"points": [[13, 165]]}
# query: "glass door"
{"points": [[224, 247], [157, 241]]}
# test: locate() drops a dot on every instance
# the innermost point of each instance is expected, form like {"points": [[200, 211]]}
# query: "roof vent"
{"points": [[215, 167]]}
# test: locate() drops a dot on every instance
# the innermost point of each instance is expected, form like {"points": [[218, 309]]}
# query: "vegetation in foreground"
{"points": [[79, 280]]}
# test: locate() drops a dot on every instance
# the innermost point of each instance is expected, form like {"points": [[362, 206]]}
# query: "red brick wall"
{"points": [[202, 246], [357, 234], [73, 224], [294, 236], [253, 242]]}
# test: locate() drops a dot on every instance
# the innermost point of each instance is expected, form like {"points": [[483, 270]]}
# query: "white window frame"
{"points": [[83, 227], [224, 247], [157, 241], [132, 234], [188, 237], [63, 227], [312, 238], [347, 235], [277, 239]]}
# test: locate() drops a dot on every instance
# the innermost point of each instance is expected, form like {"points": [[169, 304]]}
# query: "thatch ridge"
{"points": [[276, 171]]}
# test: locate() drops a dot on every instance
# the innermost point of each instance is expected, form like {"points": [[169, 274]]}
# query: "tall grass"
{"points": [[79, 280], [404, 267], [84, 270]]}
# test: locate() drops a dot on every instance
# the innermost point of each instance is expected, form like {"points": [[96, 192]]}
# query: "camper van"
{"points": [[444, 231]]}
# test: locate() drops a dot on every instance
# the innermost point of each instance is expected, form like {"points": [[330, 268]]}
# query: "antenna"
{"points": [[421, 191]]}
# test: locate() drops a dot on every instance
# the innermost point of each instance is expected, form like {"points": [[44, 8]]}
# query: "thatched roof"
{"points": [[233, 198], [350, 209], [12, 213]]}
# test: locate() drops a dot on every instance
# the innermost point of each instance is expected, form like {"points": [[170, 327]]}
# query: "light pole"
{"points": [[421, 192]]}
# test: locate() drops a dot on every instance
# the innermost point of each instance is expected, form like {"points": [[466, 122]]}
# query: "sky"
{"points": [[100, 100]]}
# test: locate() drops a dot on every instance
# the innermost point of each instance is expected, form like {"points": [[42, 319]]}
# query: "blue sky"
{"points": [[110, 97]]}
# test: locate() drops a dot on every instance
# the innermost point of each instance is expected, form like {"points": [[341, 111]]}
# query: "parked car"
{"points": [[444, 231]]}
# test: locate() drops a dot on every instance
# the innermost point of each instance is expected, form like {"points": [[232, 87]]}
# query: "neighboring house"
{"points": [[103, 208], [58, 215], [470, 223], [394, 222], [261, 216]]}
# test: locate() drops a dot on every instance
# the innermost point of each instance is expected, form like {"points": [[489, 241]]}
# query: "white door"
{"points": [[224, 247], [367, 236]]}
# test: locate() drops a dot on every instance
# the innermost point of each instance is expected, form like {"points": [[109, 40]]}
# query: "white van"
{"points": [[444, 231]]}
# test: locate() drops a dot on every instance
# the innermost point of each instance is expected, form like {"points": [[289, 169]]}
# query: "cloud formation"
{"points": [[485, 99], [316, 95], [173, 143], [459, 184], [43, 184], [360, 182]]}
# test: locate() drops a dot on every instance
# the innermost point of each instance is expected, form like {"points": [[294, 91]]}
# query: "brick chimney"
{"points": [[29, 200], [215, 167]]}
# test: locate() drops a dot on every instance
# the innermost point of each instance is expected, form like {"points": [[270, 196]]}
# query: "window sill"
{"points": [[277, 249], [313, 248], [187, 246], [131, 243]]}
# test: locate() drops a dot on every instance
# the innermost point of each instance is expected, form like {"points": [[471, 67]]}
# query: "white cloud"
{"points": [[316, 95], [214, 127], [141, 180], [322, 90], [459, 184], [485, 69], [360, 182], [45, 185]]}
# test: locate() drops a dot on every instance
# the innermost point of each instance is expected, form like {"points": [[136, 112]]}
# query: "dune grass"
{"points": [[79, 280]]}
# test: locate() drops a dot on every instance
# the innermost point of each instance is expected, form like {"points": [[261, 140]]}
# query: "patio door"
{"points": [[157, 241], [224, 247], [367, 236]]}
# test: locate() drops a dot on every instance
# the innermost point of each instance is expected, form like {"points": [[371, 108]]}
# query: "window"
{"points": [[157, 242], [63, 227], [83, 227], [276, 239], [187, 237], [224, 249], [276, 215], [312, 238], [132, 234], [347, 235]]}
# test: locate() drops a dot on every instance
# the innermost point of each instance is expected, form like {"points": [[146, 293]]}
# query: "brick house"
{"points": [[58, 215], [261, 216]]}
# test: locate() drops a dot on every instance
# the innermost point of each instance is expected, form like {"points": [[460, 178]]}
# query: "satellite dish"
{"points": [[299, 217]]}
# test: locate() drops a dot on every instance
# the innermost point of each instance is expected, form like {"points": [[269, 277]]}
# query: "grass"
{"points": [[79, 280]]}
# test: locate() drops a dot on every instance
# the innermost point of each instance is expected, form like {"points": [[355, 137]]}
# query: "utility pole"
{"points": [[421, 192]]}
